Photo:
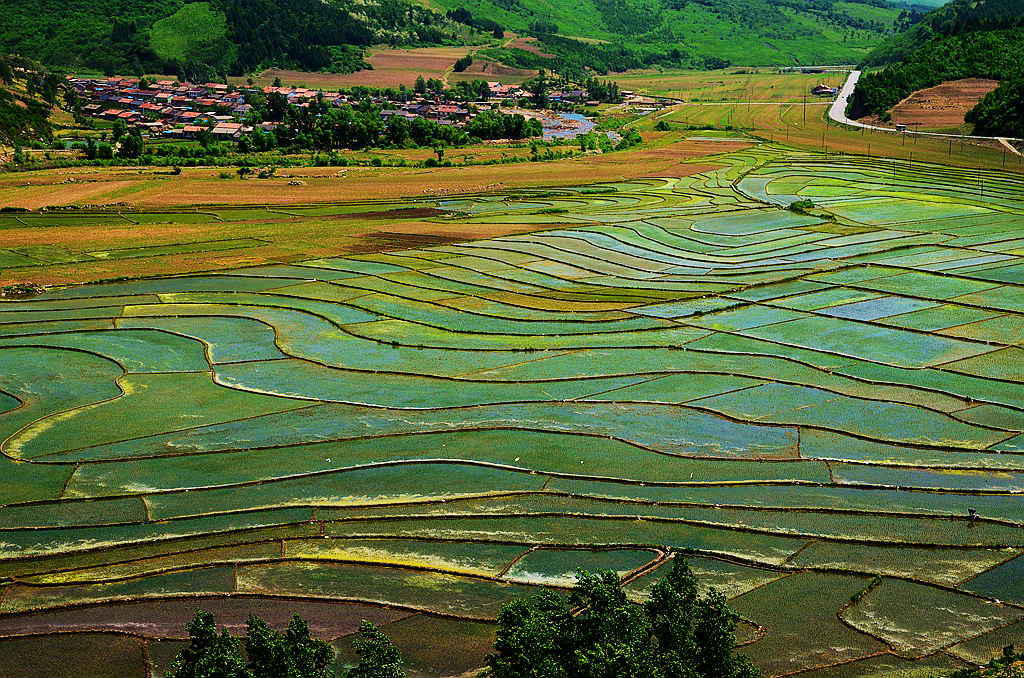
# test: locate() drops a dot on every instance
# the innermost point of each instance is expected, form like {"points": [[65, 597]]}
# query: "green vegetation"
{"points": [[28, 95], [1001, 112], [205, 40], [952, 18], [995, 54], [195, 34], [632, 33], [676, 632], [269, 653], [378, 656], [962, 39], [379, 414], [1006, 665]]}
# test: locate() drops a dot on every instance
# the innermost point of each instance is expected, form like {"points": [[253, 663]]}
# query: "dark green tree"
{"points": [[209, 655], [538, 89], [678, 633], [1001, 112], [119, 129], [420, 86], [378, 656], [292, 654], [131, 145]]}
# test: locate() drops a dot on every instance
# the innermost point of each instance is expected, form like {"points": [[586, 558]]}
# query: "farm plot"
{"points": [[825, 412]]}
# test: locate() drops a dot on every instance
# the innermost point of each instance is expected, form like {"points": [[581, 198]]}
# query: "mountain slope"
{"points": [[748, 32], [964, 39], [204, 39]]}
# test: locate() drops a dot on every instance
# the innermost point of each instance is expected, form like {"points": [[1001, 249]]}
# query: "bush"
{"points": [[801, 206]]}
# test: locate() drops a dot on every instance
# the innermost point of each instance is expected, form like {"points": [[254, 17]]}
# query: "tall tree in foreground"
{"points": [[378, 656], [292, 654], [208, 655], [677, 634]]}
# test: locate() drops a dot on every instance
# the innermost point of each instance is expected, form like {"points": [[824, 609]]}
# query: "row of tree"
{"points": [[594, 632], [324, 127]]}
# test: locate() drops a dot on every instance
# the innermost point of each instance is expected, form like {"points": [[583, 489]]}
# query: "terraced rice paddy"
{"points": [[801, 401]]}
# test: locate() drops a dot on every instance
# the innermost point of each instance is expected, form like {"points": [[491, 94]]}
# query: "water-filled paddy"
{"points": [[801, 402]]}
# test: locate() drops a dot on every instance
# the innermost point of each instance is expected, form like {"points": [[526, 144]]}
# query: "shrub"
{"points": [[801, 206]]}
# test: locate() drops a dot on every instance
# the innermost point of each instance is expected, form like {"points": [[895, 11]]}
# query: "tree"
{"points": [[538, 89], [420, 86], [119, 129], [677, 634], [378, 656], [293, 654], [131, 145], [276, 106], [208, 655]]}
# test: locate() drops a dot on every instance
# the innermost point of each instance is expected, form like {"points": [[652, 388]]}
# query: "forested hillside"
{"points": [[964, 39], [748, 32], [25, 102], [200, 40]]}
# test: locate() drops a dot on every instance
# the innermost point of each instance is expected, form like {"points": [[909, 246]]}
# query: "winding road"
{"points": [[838, 113]]}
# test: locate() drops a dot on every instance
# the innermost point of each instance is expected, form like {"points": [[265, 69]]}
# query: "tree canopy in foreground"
{"points": [[598, 633]]}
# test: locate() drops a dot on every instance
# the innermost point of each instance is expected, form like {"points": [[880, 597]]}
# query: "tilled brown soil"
{"points": [[943, 106]]}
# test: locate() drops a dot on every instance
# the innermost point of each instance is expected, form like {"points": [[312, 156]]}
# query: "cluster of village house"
{"points": [[171, 109]]}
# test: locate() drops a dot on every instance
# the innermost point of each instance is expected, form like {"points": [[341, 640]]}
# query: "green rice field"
{"points": [[824, 410]]}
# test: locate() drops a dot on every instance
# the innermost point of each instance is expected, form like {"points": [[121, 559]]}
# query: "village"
{"points": [[168, 109]]}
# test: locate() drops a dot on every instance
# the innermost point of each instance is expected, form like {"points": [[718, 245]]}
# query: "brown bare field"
{"points": [[943, 106], [154, 188], [378, 227], [494, 70], [528, 44], [391, 68]]}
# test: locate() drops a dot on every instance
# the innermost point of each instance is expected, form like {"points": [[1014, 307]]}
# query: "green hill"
{"points": [[747, 32], [203, 39], [25, 102], [964, 39]]}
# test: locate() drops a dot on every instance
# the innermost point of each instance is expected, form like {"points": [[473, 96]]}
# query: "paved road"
{"points": [[838, 113]]}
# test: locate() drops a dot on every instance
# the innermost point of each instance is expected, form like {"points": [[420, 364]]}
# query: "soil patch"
{"points": [[530, 45], [943, 106], [167, 618]]}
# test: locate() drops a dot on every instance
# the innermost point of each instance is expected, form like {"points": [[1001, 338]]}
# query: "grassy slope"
{"points": [[22, 118], [750, 32], [172, 37]]}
